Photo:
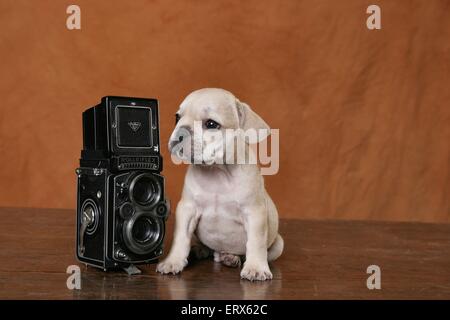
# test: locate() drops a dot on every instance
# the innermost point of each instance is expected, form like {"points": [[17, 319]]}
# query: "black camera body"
{"points": [[121, 205]]}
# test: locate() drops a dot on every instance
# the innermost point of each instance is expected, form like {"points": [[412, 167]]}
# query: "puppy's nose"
{"points": [[178, 137], [172, 144]]}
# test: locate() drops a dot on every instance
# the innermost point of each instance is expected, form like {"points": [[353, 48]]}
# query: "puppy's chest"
{"points": [[219, 199], [219, 208], [221, 225]]}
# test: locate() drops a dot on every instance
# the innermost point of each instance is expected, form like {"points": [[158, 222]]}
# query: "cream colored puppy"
{"points": [[224, 206]]}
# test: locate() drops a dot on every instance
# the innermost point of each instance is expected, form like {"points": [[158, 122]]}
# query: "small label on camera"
{"points": [[138, 159]]}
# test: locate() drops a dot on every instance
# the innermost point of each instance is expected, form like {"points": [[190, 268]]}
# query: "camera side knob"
{"points": [[162, 209], [89, 220], [126, 210]]}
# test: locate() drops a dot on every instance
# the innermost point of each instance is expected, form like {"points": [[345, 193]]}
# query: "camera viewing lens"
{"points": [[145, 189]]}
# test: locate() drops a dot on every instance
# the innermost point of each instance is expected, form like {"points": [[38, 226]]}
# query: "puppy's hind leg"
{"points": [[199, 250], [276, 249], [228, 259]]}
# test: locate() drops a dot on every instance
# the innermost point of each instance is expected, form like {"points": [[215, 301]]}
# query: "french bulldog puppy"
{"points": [[224, 207]]}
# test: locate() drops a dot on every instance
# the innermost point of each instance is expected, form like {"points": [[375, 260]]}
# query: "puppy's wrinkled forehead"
{"points": [[217, 104]]}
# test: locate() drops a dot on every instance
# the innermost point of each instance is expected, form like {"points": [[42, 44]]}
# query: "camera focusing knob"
{"points": [[87, 220], [88, 216]]}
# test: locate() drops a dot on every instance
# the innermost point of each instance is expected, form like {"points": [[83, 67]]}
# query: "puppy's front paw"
{"points": [[171, 266], [255, 271]]}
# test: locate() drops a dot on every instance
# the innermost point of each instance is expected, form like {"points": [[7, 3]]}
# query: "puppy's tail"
{"points": [[276, 249]]}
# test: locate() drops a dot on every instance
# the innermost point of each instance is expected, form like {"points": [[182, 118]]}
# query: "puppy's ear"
{"points": [[248, 119]]}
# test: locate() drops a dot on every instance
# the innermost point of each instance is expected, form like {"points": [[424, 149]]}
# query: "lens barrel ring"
{"points": [[150, 226]]}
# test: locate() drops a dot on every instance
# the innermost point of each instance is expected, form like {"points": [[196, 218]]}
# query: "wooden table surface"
{"points": [[322, 260]]}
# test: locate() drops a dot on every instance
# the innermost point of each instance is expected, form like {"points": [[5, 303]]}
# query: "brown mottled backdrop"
{"points": [[363, 115]]}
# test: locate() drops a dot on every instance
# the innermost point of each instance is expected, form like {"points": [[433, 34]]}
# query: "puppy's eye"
{"points": [[211, 124], [177, 118]]}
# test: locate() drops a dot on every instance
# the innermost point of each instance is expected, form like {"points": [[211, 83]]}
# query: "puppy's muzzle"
{"points": [[180, 142]]}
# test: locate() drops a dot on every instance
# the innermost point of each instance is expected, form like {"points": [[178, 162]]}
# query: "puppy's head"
{"points": [[205, 122]]}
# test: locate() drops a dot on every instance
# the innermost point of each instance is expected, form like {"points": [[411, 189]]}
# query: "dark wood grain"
{"points": [[322, 260]]}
